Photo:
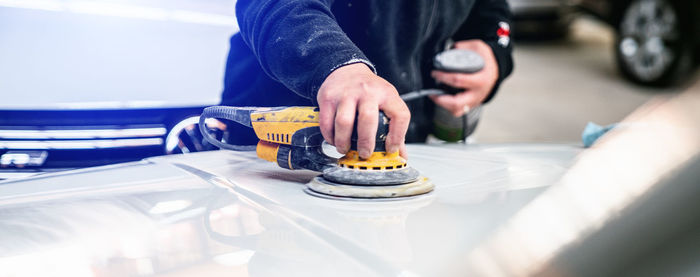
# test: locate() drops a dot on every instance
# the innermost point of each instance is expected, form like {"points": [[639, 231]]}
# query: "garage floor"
{"points": [[559, 86]]}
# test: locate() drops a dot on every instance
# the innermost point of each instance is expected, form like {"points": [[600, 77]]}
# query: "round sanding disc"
{"points": [[420, 186], [370, 177]]}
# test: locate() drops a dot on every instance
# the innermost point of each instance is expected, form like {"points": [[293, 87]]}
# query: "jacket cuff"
{"points": [[353, 61]]}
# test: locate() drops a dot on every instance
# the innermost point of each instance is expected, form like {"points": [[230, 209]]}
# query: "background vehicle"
{"points": [[657, 41], [542, 18], [99, 82]]}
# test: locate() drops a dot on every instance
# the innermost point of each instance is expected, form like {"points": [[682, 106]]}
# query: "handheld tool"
{"points": [[291, 137], [453, 60], [446, 126]]}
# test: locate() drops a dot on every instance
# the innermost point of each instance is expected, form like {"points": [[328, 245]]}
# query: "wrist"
{"points": [[357, 67], [344, 73]]}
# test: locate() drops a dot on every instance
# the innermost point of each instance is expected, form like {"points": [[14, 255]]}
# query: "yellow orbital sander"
{"points": [[290, 137]]}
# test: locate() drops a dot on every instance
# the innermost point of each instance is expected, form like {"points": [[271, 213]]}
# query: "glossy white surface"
{"points": [[229, 213], [113, 54]]}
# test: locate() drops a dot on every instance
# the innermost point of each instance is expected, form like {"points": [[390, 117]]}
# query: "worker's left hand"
{"points": [[476, 86]]}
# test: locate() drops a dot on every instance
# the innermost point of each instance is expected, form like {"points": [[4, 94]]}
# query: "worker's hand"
{"points": [[354, 90], [476, 86]]}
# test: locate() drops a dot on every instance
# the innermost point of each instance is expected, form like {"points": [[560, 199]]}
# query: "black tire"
{"points": [[652, 47]]}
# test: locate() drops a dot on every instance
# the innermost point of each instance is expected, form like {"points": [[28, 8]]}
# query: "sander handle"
{"points": [[379, 138]]}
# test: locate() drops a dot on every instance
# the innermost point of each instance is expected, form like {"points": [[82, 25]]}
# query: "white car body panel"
{"points": [[102, 54], [230, 213]]}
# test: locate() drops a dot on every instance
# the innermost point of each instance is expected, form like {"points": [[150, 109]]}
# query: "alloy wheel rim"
{"points": [[648, 30]]}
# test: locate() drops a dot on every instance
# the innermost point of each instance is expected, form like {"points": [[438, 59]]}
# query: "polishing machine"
{"points": [[291, 138]]}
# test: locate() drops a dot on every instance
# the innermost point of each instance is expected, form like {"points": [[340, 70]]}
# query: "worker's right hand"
{"points": [[355, 90]]}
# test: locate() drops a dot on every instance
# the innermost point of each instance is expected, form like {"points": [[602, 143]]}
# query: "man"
{"points": [[353, 58]]}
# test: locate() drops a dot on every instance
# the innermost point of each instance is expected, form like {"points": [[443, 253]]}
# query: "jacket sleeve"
{"points": [[490, 21], [297, 42]]}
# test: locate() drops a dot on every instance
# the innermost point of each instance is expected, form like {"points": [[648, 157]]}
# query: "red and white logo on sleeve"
{"points": [[503, 34]]}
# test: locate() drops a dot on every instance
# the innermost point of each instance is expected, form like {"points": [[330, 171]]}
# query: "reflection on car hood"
{"points": [[230, 213]]}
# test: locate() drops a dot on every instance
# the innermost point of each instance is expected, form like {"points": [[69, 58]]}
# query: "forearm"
{"points": [[297, 42]]}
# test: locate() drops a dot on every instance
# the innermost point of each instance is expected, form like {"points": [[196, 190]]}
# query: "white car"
{"points": [[222, 212], [626, 207], [87, 83]]}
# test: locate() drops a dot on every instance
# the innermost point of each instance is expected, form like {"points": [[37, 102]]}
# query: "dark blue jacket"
{"points": [[286, 48]]}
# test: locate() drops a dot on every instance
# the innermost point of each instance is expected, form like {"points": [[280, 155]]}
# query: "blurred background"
{"points": [[570, 69], [88, 83]]}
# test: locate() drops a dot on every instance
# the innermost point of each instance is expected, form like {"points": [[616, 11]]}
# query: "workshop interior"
{"points": [[120, 156]]}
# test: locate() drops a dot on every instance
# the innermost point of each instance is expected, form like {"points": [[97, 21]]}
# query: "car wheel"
{"points": [[650, 46]]}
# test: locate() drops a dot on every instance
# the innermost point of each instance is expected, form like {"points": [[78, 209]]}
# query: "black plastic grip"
{"points": [[379, 139]]}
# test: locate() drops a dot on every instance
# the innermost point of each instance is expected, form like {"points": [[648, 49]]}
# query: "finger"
{"points": [[459, 103], [446, 101], [367, 121], [403, 152], [344, 120], [456, 80], [471, 44], [468, 98], [326, 123], [400, 117]]}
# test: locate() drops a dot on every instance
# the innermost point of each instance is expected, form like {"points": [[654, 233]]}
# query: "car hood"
{"points": [[230, 213]]}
